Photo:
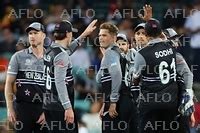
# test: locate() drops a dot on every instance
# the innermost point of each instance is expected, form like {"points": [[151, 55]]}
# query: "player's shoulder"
{"points": [[112, 51], [179, 58], [132, 51], [26, 50], [143, 49], [131, 54], [22, 52], [168, 42], [179, 54], [57, 49]]}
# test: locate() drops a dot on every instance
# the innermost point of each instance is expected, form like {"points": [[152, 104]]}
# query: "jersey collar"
{"points": [[153, 41], [112, 45], [30, 51], [57, 45]]}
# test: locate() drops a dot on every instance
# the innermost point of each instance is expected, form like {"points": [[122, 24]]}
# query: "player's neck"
{"points": [[152, 38], [126, 51], [62, 43], [38, 51]]}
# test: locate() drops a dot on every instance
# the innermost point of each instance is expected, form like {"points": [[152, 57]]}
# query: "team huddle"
{"points": [[147, 87]]}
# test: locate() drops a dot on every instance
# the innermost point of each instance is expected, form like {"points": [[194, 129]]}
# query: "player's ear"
{"points": [[128, 45], [68, 34], [44, 35], [115, 38]]}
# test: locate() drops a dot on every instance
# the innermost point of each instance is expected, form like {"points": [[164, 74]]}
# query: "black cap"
{"points": [[153, 28], [35, 26], [139, 26], [64, 27]]}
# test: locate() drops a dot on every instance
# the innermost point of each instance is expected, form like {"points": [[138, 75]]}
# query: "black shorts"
{"points": [[56, 124], [163, 120], [27, 114], [120, 124]]}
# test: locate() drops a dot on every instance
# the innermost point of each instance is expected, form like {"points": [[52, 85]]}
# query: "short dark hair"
{"points": [[110, 27], [59, 36]]}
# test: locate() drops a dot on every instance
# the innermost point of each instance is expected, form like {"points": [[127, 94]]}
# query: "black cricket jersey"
{"points": [[59, 90], [158, 72]]}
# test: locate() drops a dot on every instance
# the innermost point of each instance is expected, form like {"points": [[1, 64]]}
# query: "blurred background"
{"points": [[15, 16]]}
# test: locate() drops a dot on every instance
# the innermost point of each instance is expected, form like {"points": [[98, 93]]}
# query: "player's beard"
{"points": [[35, 45], [124, 50]]}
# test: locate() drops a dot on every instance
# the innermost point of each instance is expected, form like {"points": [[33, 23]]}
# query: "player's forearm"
{"points": [[61, 87], [188, 79], [9, 93], [184, 71], [82, 36], [73, 46], [88, 30], [116, 84], [63, 94]]}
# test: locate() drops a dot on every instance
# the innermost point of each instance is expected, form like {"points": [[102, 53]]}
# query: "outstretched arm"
{"points": [[77, 42]]}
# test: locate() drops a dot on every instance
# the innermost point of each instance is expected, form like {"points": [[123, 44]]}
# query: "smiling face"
{"points": [[36, 38]]}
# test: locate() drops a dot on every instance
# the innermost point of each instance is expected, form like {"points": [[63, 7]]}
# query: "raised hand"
{"points": [[147, 13], [91, 27]]}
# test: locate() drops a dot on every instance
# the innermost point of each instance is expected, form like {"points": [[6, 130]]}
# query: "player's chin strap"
{"points": [[186, 107]]}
